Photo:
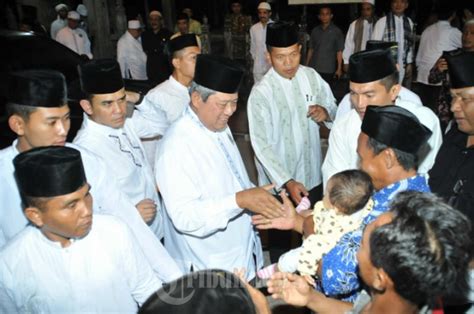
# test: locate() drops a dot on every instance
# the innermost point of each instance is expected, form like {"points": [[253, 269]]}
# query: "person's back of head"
{"points": [[425, 249], [206, 291], [350, 190]]}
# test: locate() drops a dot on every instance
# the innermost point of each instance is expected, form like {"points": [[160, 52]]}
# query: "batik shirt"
{"points": [[339, 273]]}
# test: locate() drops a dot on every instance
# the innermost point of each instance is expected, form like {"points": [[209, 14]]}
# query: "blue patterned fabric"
{"points": [[339, 267]]}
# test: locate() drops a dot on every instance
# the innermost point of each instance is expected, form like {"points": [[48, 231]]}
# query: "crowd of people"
{"points": [[153, 210]]}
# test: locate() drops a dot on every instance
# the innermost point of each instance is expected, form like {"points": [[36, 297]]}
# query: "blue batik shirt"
{"points": [[339, 266]]}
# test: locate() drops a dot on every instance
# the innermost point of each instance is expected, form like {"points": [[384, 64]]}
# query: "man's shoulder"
{"points": [[14, 250], [7, 154]]}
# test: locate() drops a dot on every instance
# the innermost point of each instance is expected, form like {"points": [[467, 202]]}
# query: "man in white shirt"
{"points": [[284, 112], [108, 132], [373, 81], [202, 178], [359, 31], [38, 113], [69, 260], [395, 26], [435, 39], [258, 49], [130, 54], [74, 37], [60, 21], [171, 98]]}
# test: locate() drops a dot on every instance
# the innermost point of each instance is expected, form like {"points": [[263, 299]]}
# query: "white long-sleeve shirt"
{"points": [[200, 172], [103, 272], [405, 94], [349, 45], [76, 40], [169, 100], [131, 57], [108, 199], [379, 31], [286, 142], [435, 39], [342, 150], [258, 35]]}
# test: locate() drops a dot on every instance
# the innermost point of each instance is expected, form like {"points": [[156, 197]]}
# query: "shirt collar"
{"points": [[178, 85]]}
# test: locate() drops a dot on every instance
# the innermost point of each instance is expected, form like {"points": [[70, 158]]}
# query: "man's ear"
{"points": [[86, 106], [196, 99], [381, 281], [176, 62], [34, 215], [390, 158], [268, 58], [17, 124], [394, 91]]}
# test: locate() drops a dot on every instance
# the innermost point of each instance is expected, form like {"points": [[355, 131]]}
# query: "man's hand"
{"points": [[285, 222], [317, 113], [338, 73], [441, 65], [296, 190], [260, 201], [409, 70], [291, 288], [261, 303], [147, 209]]}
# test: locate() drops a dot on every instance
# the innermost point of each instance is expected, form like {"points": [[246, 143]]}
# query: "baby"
{"points": [[345, 204]]}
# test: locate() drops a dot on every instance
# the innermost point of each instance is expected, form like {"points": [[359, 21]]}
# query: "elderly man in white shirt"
{"points": [[28, 112], [171, 98], [373, 79], [74, 37], [258, 49], [396, 26], [284, 111], [360, 31], [202, 178], [435, 39], [130, 54], [69, 260], [60, 21]]}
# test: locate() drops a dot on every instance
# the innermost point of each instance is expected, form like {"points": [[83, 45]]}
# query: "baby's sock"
{"points": [[267, 272], [303, 205]]}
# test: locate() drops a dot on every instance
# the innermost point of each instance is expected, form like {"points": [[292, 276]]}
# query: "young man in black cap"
{"points": [[170, 98], [69, 260], [108, 132], [452, 176], [388, 144], [202, 178], [374, 81], [409, 258], [39, 115], [284, 112]]}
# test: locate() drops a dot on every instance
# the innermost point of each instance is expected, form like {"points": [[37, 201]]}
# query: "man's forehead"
{"points": [[225, 97], [463, 92], [365, 87]]}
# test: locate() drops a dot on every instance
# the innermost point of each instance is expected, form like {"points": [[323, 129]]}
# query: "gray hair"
{"points": [[201, 90], [469, 22]]}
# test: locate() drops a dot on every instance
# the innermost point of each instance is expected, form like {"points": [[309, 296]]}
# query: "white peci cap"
{"points": [[372, 2], [134, 24], [155, 12], [264, 6], [60, 7], [73, 15]]}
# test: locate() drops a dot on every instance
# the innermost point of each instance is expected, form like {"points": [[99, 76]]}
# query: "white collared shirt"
{"points": [[131, 57], [258, 34], [286, 142], [342, 150], [199, 180], [349, 45], [107, 199], [76, 40], [103, 272], [435, 39]]}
